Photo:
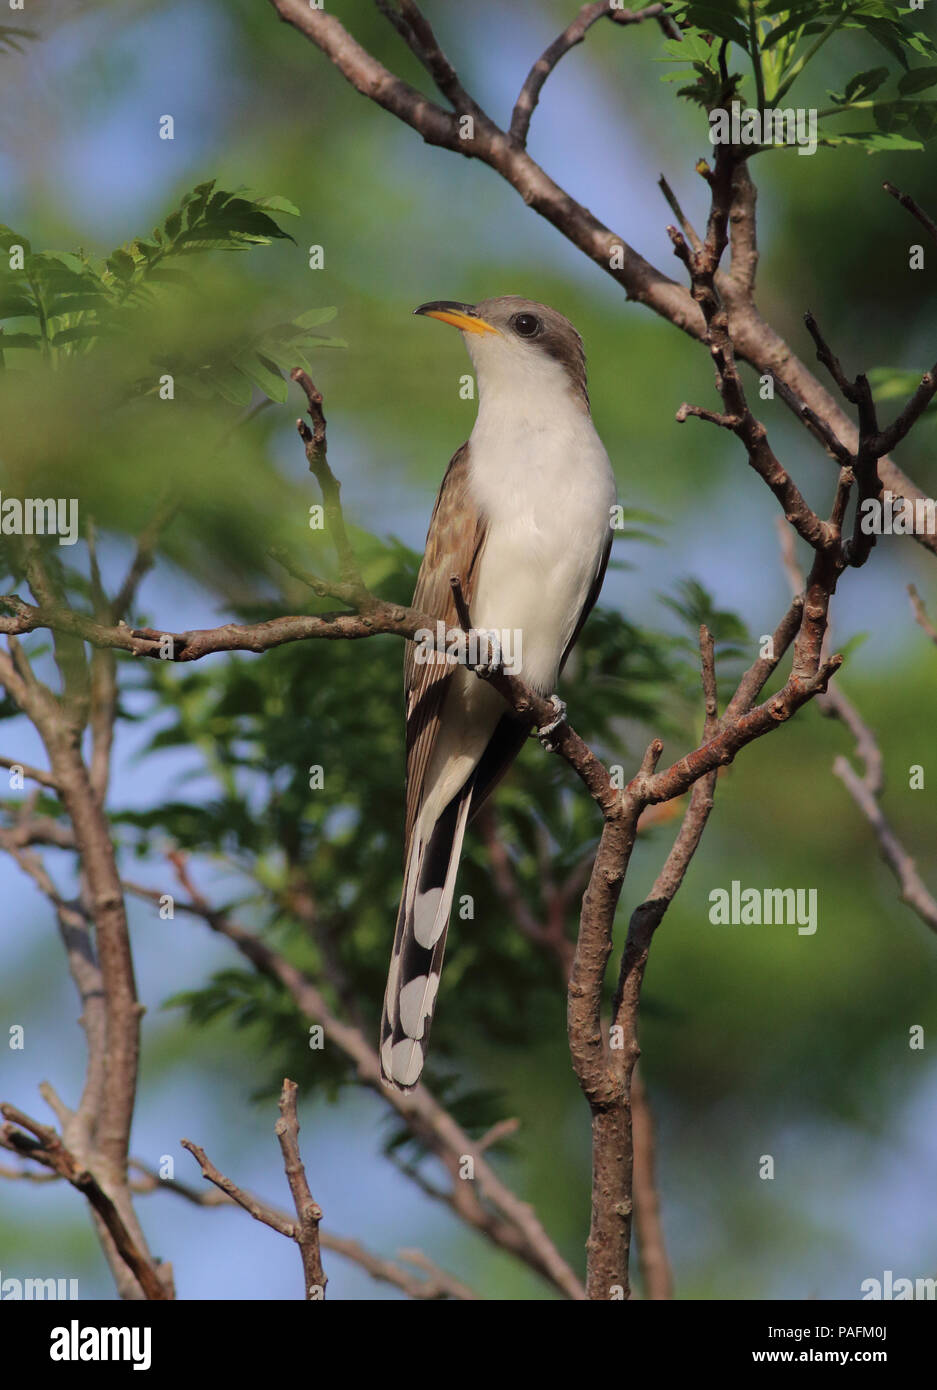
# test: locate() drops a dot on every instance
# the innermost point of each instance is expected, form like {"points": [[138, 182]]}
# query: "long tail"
{"points": [[420, 942]]}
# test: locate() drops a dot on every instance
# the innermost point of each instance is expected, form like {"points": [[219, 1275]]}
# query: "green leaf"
{"points": [[77, 333], [874, 142], [264, 374], [277, 204], [208, 239], [864, 83], [923, 44], [796, 21], [19, 340], [194, 205], [199, 194], [238, 215], [282, 355], [884, 34], [691, 48], [216, 202], [14, 305], [921, 116], [312, 318], [232, 384], [917, 80], [75, 303], [145, 250], [121, 265], [10, 238], [723, 20]]}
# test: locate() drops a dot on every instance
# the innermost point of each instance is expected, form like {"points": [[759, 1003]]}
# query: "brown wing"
{"points": [[453, 545]]}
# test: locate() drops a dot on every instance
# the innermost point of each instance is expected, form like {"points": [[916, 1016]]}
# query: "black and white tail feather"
{"points": [[423, 916], [420, 942]]}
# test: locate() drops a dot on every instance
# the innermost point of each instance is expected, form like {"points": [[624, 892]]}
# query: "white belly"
{"points": [[546, 495]]}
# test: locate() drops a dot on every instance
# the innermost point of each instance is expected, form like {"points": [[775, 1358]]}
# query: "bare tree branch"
{"points": [[98, 1132], [914, 891], [486, 1203], [35, 774], [437, 1285], [41, 1144], [656, 1274], [907, 202], [574, 33], [920, 614], [416, 31], [308, 1212]]}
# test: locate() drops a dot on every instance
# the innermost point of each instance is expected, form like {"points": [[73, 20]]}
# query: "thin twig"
{"points": [[308, 1212], [438, 1284], [907, 202], [920, 613], [35, 774]]}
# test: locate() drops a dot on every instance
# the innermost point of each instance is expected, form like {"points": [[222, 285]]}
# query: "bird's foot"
{"points": [[547, 733], [488, 645]]}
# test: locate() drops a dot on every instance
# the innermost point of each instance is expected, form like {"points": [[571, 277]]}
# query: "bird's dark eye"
{"points": [[527, 325]]}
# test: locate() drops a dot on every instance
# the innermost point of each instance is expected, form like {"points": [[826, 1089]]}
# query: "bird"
{"points": [[523, 520]]}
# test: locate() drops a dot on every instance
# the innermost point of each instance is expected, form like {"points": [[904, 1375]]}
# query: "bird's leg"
{"points": [[489, 647], [547, 733]]}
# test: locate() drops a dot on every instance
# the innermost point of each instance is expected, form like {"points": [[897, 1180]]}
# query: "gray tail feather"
{"points": [[420, 943]]}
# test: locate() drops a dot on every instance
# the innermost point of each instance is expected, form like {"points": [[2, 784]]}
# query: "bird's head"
{"points": [[517, 346]]}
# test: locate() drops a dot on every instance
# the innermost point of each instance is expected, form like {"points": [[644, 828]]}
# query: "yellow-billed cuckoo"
{"points": [[523, 518]]}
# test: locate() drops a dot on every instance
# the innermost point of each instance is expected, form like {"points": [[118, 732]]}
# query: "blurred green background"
{"points": [[755, 1040]]}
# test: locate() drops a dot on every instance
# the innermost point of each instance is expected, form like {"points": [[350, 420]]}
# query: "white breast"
{"points": [[540, 475]]}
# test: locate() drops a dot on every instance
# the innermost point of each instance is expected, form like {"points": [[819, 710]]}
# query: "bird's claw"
{"points": [[547, 733], [492, 663]]}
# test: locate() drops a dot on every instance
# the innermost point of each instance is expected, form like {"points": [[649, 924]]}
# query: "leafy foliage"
{"points": [[778, 39], [63, 303]]}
